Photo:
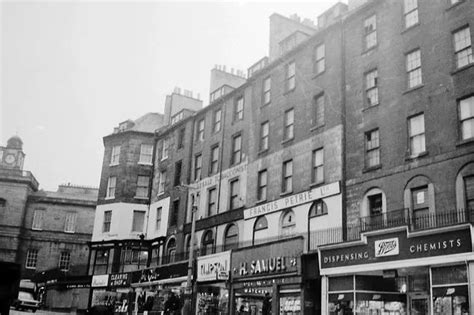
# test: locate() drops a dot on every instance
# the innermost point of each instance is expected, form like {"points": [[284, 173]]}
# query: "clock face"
{"points": [[10, 159]]}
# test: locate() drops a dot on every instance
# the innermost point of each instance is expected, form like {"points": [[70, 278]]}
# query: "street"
{"points": [[15, 312]]}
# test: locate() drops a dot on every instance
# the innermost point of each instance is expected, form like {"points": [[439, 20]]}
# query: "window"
{"points": [[262, 185], [197, 166], [420, 207], [138, 220], [31, 259], [217, 120], [101, 261], [375, 204], [165, 149], [234, 194], [3, 202], [38, 216], [161, 182], [64, 259], [115, 157], [264, 132], [416, 131], [236, 149], [267, 86], [372, 148], [317, 174], [462, 47], [371, 88], [207, 243], [290, 76], [287, 181], [200, 130], [146, 154], [70, 222], [211, 202], [177, 173], [370, 31], [260, 230], [111, 187], [318, 111], [239, 109], [231, 238], [414, 68], [289, 125], [158, 218], [181, 134], [288, 223], [318, 208], [107, 221], [143, 183], [469, 191], [411, 13], [466, 117], [171, 251], [174, 213], [214, 165], [319, 59]]}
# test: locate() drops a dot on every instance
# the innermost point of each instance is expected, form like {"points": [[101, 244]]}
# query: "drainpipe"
{"points": [[343, 135], [221, 158]]}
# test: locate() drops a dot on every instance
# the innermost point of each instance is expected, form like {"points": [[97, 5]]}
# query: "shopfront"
{"points": [[212, 284], [266, 278], [160, 287], [113, 292], [397, 272]]}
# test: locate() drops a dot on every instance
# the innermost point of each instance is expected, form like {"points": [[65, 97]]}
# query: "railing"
{"points": [[385, 220], [12, 173], [259, 65], [323, 237]]}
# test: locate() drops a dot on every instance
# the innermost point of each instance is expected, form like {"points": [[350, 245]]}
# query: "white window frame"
{"points": [[161, 182], [413, 67], [287, 176], [217, 120], [236, 149], [267, 87], [239, 109], [410, 13], [138, 226], [197, 166], [318, 110], [115, 156], [371, 88], [320, 58], [70, 222], [317, 172], [290, 76], [370, 32], [38, 216], [146, 154], [466, 118], [64, 261], [111, 186], [234, 194], [463, 47], [164, 149], [200, 130], [262, 185], [159, 213], [214, 162], [264, 135], [107, 222], [31, 260], [417, 135], [289, 128], [143, 187], [372, 148]]}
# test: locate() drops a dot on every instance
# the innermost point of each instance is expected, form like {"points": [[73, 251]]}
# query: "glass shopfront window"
{"points": [[212, 300], [249, 301], [450, 290]]}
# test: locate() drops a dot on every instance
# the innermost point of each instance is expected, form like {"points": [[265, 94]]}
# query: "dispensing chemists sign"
{"points": [[213, 267], [397, 246]]}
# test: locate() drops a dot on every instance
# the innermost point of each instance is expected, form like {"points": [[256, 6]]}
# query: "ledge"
{"points": [[462, 68], [368, 108], [372, 168], [316, 127], [286, 193], [262, 152], [284, 142], [455, 5], [370, 49], [317, 75], [314, 185], [414, 157], [406, 29], [464, 142], [413, 89], [289, 91]]}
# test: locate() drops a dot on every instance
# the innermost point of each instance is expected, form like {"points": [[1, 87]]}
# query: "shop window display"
{"points": [[212, 300], [450, 290], [290, 305], [252, 303]]}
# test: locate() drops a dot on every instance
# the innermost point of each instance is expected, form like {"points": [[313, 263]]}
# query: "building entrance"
{"points": [[419, 304]]}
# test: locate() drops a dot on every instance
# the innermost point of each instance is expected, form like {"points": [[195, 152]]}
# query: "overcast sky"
{"points": [[71, 71]]}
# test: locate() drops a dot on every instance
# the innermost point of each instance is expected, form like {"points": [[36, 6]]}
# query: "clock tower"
{"points": [[12, 156]]}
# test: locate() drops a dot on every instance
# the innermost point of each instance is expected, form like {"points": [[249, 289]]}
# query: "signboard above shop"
{"points": [[293, 200], [395, 246], [213, 267]]}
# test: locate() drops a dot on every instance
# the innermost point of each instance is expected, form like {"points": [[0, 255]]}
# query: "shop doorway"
{"points": [[419, 304]]}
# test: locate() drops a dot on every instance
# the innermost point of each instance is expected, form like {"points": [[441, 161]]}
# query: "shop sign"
{"points": [[387, 247], [214, 180], [160, 273], [293, 200], [213, 267], [119, 280], [397, 246], [269, 260], [100, 281]]}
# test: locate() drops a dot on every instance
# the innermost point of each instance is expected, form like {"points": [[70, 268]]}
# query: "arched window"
{"points": [[373, 211], [419, 199], [231, 237], [465, 189], [260, 229], [288, 223], [207, 243], [318, 208], [171, 250]]}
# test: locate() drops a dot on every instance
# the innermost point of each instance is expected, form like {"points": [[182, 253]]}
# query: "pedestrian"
{"points": [[267, 305]]}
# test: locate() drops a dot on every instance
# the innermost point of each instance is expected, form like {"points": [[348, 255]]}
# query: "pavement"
{"points": [[41, 312]]}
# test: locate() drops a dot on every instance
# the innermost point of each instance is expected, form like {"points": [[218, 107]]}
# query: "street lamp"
{"points": [[187, 308]]}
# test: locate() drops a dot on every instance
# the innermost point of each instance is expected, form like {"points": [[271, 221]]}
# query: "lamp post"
{"points": [[187, 307]]}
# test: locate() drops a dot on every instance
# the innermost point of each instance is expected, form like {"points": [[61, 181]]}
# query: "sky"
{"points": [[73, 70]]}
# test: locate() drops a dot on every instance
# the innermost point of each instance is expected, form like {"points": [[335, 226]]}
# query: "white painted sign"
{"points": [[213, 267], [100, 281], [214, 180], [387, 247], [293, 200]]}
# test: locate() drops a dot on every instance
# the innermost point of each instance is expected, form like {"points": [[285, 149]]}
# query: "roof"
{"points": [[90, 196], [148, 122]]}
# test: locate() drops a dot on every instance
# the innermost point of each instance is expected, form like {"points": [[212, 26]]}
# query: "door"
{"points": [[420, 305]]}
